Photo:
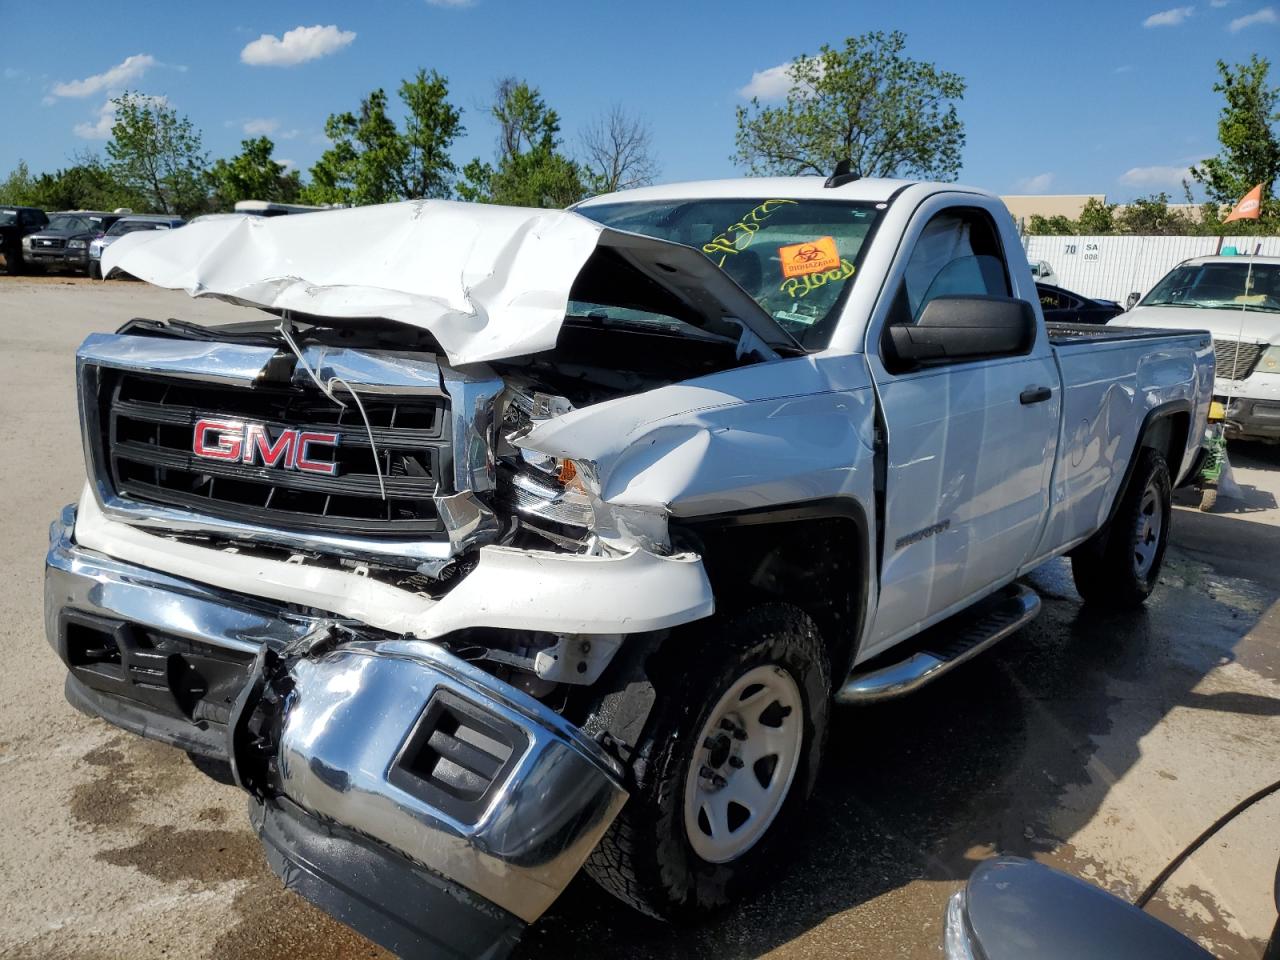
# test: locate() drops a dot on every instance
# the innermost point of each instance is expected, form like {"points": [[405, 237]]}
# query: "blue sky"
{"points": [[1077, 97]]}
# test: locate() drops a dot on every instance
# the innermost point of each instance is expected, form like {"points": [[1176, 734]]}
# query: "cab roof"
{"points": [[867, 190]]}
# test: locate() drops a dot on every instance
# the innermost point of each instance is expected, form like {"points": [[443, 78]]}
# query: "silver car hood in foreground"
{"points": [[488, 282]]}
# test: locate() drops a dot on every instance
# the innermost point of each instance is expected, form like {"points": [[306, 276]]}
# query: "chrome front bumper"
{"points": [[366, 735]]}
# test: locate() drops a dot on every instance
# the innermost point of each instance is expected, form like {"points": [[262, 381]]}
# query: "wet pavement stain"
{"points": [[198, 858], [274, 924], [126, 772]]}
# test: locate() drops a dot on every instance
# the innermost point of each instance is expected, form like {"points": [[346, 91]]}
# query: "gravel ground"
{"points": [[1097, 744]]}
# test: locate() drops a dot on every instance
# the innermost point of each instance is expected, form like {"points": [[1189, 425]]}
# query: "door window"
{"points": [[958, 253]]}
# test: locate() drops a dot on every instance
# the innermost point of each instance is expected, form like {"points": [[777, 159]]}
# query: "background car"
{"points": [[64, 242], [130, 224], [1042, 271], [16, 223], [1063, 306]]}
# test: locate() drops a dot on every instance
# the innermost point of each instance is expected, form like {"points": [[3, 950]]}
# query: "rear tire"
{"points": [[1120, 565], [739, 723]]}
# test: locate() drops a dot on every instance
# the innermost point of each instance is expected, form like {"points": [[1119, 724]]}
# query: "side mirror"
{"points": [[964, 328], [1131, 301]]}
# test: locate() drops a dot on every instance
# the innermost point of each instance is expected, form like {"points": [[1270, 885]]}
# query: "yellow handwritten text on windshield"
{"points": [[737, 237], [805, 285]]}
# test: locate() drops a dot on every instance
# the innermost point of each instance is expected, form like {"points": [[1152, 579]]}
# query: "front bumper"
{"points": [[64, 258], [1253, 418], [395, 764]]}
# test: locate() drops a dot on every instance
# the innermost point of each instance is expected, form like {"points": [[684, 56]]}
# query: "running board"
{"points": [[945, 646]]}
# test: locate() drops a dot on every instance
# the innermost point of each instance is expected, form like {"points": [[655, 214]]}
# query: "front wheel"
{"points": [[725, 765], [1120, 566]]}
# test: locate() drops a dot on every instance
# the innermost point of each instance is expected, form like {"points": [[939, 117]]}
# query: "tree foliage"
{"points": [[868, 103], [617, 152], [157, 155], [85, 185], [372, 161], [1250, 152], [530, 169], [252, 175]]}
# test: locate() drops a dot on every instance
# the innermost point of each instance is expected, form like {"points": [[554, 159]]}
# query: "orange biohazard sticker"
{"points": [[812, 256]]}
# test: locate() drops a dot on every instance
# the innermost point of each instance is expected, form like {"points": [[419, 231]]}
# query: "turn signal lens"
{"points": [[566, 472]]}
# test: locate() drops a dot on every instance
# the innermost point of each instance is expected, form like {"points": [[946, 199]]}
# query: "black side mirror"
{"points": [[1131, 301], [964, 328]]}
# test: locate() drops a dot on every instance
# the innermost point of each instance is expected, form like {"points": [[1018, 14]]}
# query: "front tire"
{"points": [[1120, 565], [727, 760]]}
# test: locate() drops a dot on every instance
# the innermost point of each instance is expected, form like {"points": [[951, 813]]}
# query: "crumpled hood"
{"points": [[1253, 326], [488, 282]]}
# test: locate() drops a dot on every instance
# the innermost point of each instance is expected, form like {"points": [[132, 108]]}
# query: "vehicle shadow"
{"points": [[979, 763]]}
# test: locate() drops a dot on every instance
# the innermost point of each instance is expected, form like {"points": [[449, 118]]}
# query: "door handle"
{"points": [[1034, 395]]}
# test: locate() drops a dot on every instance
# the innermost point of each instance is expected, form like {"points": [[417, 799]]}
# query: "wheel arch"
{"points": [[1164, 429], [815, 555]]}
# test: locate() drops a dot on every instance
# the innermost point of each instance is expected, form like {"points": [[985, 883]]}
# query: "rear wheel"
{"points": [[725, 765], [1120, 566]]}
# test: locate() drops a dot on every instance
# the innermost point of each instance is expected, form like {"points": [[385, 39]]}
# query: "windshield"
{"points": [[121, 227], [8, 218], [796, 258], [1244, 286], [63, 222]]}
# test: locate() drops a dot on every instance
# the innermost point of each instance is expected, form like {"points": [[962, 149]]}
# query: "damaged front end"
{"points": [[348, 552]]}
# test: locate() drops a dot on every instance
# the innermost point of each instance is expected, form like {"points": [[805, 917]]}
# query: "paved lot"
{"points": [[1098, 744]]}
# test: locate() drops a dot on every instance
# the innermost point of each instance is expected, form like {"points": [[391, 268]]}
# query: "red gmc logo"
{"points": [[237, 441]]}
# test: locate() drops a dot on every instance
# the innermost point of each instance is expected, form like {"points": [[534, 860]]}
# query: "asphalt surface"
{"points": [[1099, 744]]}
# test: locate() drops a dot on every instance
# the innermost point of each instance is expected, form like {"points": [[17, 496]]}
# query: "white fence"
{"points": [[1113, 267]]}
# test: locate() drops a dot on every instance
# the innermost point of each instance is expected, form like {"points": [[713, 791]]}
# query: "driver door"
{"points": [[970, 443]]}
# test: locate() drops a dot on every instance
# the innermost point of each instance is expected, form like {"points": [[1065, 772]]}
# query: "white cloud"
{"points": [[287, 164], [1265, 15], [1155, 176], [115, 78], [1037, 184], [260, 125], [105, 118], [1168, 18], [297, 46], [13, 73], [772, 84], [288, 134]]}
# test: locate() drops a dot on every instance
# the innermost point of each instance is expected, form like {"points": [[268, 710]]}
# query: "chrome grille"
{"points": [[146, 426]]}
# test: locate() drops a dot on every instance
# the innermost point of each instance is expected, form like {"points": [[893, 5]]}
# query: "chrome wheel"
{"points": [[1147, 530], [745, 759]]}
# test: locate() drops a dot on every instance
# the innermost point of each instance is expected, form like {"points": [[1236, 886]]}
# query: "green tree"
{"points": [[1097, 217], [531, 170], [1153, 216], [887, 114], [1250, 152], [157, 155], [252, 175], [1055, 226], [372, 161], [18, 188]]}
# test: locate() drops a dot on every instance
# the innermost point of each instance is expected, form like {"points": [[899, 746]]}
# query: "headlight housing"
{"points": [[26, 242], [77, 244], [1269, 362]]}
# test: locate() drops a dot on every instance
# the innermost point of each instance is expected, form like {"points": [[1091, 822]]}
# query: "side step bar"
{"points": [[945, 646]]}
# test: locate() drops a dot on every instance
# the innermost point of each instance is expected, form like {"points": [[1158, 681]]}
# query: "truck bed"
{"points": [[1064, 334]]}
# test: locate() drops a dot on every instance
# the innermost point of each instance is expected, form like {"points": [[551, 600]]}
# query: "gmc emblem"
{"points": [[237, 441]]}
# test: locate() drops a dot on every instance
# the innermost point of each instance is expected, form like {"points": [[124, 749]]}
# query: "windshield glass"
{"points": [[69, 223], [121, 227], [8, 218], [796, 258], [1243, 285]]}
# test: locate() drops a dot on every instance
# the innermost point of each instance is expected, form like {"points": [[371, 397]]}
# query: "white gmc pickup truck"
{"points": [[507, 542]]}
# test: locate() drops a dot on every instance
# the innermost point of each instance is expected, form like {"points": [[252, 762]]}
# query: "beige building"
{"points": [[1070, 205]]}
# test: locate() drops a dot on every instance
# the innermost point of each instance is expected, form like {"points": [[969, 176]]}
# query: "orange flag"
{"points": [[1249, 207]]}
